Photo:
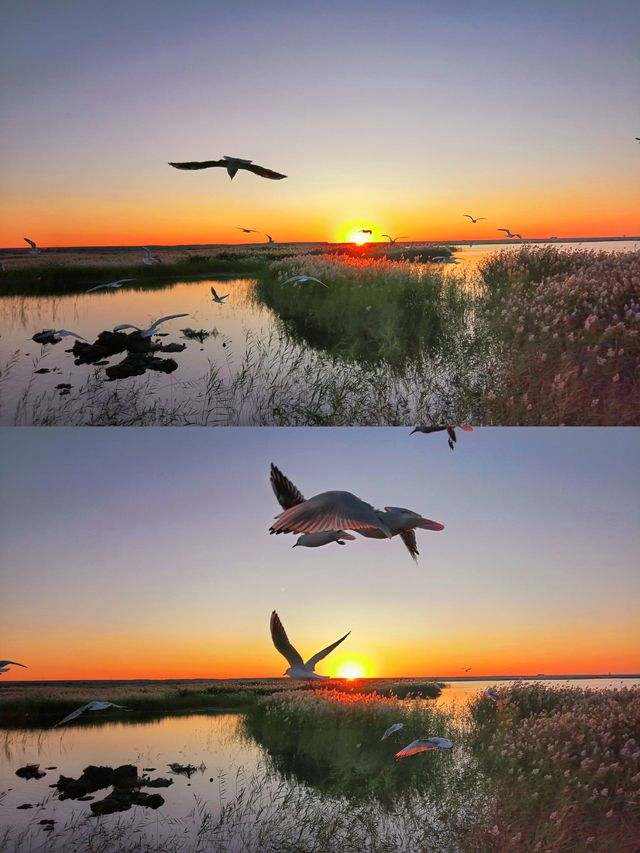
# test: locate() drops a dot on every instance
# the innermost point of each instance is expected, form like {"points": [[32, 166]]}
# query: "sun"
{"points": [[357, 237], [350, 669]]}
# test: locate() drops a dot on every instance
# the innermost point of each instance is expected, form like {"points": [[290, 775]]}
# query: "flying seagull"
{"points": [[398, 521], [445, 259], [146, 333], [301, 279], [270, 239], [466, 668], [424, 745], [232, 165], [316, 540], [451, 432], [111, 284], [328, 511], [392, 240], [90, 706], [297, 668], [366, 231], [508, 233], [474, 220], [5, 664], [150, 259], [391, 730], [246, 230], [34, 248], [216, 298], [48, 335]]}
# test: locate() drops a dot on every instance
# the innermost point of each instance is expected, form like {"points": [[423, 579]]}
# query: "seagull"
{"points": [[297, 668], [246, 230], [444, 259], [112, 284], [232, 165], [270, 239], [42, 337], [474, 220], [316, 540], [150, 259], [398, 521], [466, 668], [34, 248], [391, 730], [301, 279], [90, 706], [217, 298], [366, 231], [146, 333], [508, 233], [451, 431], [5, 664], [328, 511], [392, 240], [492, 693], [424, 745]]}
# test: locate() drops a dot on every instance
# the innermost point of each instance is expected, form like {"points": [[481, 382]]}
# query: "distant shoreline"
{"points": [[448, 241]]}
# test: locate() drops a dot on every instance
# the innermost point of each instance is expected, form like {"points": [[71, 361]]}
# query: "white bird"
{"points": [[424, 745], [508, 233], [474, 219], [393, 240], [6, 664], [301, 279], [298, 669], [90, 706], [112, 284], [232, 165], [270, 239], [445, 259], [391, 730], [216, 298], [146, 333], [316, 540], [150, 259], [34, 248], [451, 432], [396, 520], [328, 511]]}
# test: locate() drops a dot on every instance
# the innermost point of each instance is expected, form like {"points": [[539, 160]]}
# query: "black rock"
{"points": [[98, 776], [107, 806], [60, 386], [86, 798], [148, 769], [125, 776], [25, 806], [30, 771], [164, 365], [42, 370], [46, 822], [157, 783], [149, 801], [51, 768], [64, 393], [172, 348]]}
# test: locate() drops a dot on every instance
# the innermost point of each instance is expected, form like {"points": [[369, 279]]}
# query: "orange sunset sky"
{"points": [[523, 113]]}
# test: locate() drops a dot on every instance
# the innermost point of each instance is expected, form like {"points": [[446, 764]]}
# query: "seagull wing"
{"points": [[199, 164], [168, 317], [393, 728], [506, 230], [213, 292], [409, 539], [13, 663], [468, 215], [329, 511], [311, 663], [260, 170], [74, 714], [30, 242], [125, 326], [286, 493], [419, 745], [281, 642], [99, 287], [311, 278]]}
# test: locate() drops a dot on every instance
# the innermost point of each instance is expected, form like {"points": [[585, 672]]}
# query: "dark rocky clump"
{"points": [[45, 337], [93, 778], [25, 806], [42, 370], [136, 364], [157, 783], [105, 345], [121, 800], [60, 387], [30, 771], [171, 348]]}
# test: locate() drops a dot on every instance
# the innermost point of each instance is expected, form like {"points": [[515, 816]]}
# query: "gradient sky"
{"points": [[146, 553], [395, 116]]}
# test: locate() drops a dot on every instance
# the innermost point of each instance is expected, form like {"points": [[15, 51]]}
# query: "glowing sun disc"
{"points": [[350, 669]]}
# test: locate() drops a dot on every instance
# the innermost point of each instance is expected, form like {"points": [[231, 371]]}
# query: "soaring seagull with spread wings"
{"points": [[474, 219], [508, 233], [112, 284], [392, 240], [302, 279], [233, 165], [397, 520], [216, 298], [34, 248], [6, 664], [90, 706], [147, 333], [451, 432], [298, 669], [424, 745], [246, 230]]}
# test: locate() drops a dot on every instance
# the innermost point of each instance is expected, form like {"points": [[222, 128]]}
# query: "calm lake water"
{"points": [[23, 391], [228, 760]]}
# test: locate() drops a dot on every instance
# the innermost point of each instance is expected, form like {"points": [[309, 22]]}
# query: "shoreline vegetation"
{"points": [[537, 336], [553, 769]]}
